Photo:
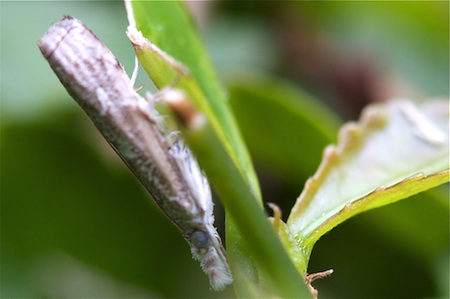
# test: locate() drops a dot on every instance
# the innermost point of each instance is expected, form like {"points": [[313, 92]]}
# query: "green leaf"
{"points": [[175, 56], [395, 151], [285, 128]]}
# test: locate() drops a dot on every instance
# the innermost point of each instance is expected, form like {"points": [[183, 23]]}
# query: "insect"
{"points": [[163, 164]]}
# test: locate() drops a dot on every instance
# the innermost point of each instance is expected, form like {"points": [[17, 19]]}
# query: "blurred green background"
{"points": [[75, 222]]}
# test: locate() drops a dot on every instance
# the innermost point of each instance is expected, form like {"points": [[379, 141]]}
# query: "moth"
{"points": [[131, 125]]}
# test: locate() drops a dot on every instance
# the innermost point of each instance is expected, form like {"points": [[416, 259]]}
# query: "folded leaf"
{"points": [[396, 150]]}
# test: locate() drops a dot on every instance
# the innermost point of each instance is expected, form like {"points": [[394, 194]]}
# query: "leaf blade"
{"points": [[169, 27], [387, 145], [220, 151]]}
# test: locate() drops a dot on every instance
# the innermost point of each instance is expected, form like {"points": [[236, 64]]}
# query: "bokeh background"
{"points": [[74, 221]]}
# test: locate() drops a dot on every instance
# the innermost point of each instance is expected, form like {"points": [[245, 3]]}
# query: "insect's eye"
{"points": [[200, 239]]}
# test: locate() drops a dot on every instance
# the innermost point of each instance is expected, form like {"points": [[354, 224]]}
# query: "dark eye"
{"points": [[200, 239]]}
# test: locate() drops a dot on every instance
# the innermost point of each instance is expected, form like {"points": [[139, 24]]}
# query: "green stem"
{"points": [[278, 272]]}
